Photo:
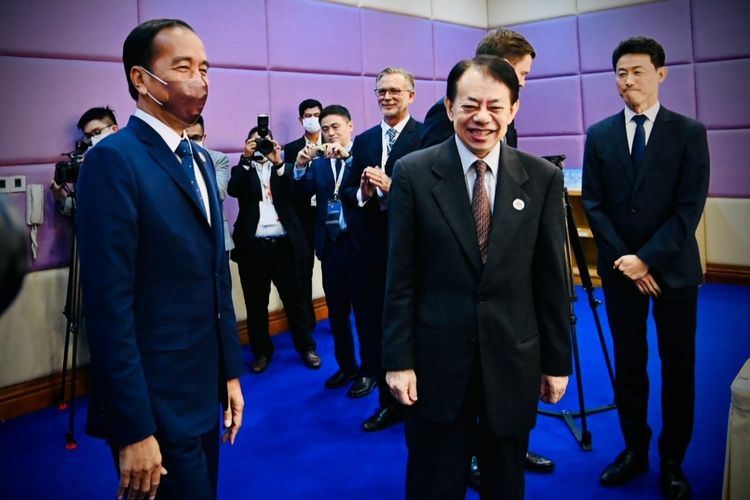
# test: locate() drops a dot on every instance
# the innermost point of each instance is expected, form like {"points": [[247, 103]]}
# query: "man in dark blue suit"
{"points": [[155, 279], [645, 182], [365, 192]]}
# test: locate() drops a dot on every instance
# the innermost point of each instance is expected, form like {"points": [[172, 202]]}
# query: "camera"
{"points": [[67, 171], [264, 145]]}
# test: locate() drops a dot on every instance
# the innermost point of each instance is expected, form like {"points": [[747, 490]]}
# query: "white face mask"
{"points": [[311, 124], [104, 133], [199, 143]]}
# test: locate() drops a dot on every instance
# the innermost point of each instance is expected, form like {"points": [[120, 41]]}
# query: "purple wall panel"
{"points": [[235, 99], [668, 22], [289, 89], [551, 106], [730, 176], [453, 43], [556, 45], [722, 93], [423, 99], [720, 29], [313, 36], [394, 40], [233, 31], [569, 145], [86, 29], [45, 98]]}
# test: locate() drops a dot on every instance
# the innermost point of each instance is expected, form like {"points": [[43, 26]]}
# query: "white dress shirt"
{"points": [[470, 175], [648, 125]]}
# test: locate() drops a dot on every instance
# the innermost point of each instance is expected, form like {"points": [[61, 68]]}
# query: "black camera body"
{"points": [[67, 171], [263, 144]]}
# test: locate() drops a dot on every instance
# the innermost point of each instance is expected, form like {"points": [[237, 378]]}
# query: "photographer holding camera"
{"points": [[96, 124], [270, 245]]}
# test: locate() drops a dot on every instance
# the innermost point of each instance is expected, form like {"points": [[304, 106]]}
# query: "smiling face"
{"points": [[394, 94], [638, 81], [481, 111]]}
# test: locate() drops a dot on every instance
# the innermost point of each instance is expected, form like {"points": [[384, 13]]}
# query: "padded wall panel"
{"points": [[569, 145], [600, 97], [551, 106], [728, 231], [233, 31], [236, 97], [305, 35], [421, 8], [289, 89], [721, 91], [86, 29], [730, 175], [392, 40], [44, 98], [667, 22], [556, 45], [504, 12], [453, 43], [468, 12], [720, 29], [424, 98]]}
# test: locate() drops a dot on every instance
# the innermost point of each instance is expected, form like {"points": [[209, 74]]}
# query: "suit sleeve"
{"points": [[692, 188], [350, 184], [107, 232], [238, 185], [437, 127], [550, 289], [399, 309], [221, 167]]}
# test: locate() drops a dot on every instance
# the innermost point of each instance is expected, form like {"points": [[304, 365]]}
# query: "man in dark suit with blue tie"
{"points": [[645, 182], [155, 279], [365, 193]]}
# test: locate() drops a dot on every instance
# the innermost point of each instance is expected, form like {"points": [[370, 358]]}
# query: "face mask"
{"points": [[258, 157], [199, 143], [104, 133], [185, 99], [311, 124]]}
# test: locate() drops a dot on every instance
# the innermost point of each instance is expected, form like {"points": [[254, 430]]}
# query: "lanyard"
{"points": [[338, 178]]}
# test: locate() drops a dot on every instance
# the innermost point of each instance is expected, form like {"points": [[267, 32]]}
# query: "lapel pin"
{"points": [[518, 204]]}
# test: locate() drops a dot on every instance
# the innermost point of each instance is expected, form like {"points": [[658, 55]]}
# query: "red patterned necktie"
{"points": [[480, 207]]}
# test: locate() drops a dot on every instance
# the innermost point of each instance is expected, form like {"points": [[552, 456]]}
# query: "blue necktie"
{"points": [[639, 143], [186, 154], [390, 134]]}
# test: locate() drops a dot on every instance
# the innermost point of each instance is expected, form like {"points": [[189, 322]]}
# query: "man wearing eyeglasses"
{"points": [[365, 193]]}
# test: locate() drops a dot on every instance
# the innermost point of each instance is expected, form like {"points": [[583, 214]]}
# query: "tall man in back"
{"points": [[645, 182], [476, 307], [155, 279], [365, 192]]}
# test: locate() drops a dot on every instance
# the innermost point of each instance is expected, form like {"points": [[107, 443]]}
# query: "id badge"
{"points": [[333, 215], [268, 216]]}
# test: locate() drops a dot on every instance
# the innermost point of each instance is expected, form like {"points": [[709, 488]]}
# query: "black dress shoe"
{"points": [[474, 474], [384, 417], [311, 359], [537, 463], [340, 379], [260, 364], [626, 466], [362, 386], [674, 484]]}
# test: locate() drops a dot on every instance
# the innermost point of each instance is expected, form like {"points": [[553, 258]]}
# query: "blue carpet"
{"points": [[300, 440]]}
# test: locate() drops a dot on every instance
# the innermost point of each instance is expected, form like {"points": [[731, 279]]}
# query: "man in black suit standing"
{"points": [[309, 118], [645, 182], [476, 308], [365, 193]]}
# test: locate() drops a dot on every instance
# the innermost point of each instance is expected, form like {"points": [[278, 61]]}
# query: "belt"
{"points": [[269, 240]]}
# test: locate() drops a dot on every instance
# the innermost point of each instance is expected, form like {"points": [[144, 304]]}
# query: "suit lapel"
{"points": [[453, 200], [214, 204], [405, 138], [658, 134]]}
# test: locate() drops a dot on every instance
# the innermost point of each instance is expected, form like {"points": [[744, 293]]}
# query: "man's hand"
{"points": [[306, 155], [377, 177], [233, 411], [140, 469], [275, 155], [631, 266], [250, 147], [336, 150], [367, 188], [648, 286], [552, 388], [403, 386]]}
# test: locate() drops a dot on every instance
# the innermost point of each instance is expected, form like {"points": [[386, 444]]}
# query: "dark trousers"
{"points": [[261, 264], [307, 217], [674, 313], [192, 467], [440, 453]]}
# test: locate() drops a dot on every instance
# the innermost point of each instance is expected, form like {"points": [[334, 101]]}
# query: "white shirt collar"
{"points": [[399, 126], [468, 158], [171, 137], [650, 113]]}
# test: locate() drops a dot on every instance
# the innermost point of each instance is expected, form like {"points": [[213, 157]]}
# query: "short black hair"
{"points": [[105, 114], [138, 49], [335, 109], [499, 69], [640, 45], [309, 104], [255, 129]]}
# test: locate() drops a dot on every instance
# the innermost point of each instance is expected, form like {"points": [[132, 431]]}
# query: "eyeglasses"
{"points": [[394, 92], [96, 131]]}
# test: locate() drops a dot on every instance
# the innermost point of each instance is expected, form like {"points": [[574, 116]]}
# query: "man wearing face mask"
{"points": [[96, 124], [270, 247], [155, 279], [309, 118]]}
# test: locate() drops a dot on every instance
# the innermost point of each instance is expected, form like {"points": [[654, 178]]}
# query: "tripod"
{"points": [[74, 314], [582, 435]]}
